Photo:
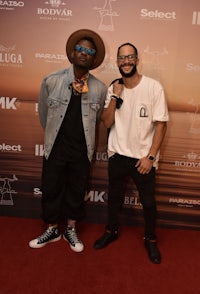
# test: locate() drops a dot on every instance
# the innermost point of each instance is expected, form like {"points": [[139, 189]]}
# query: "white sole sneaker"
{"points": [[52, 234], [34, 243], [78, 247]]}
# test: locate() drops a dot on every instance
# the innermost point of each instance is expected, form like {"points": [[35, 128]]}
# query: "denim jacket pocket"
{"points": [[95, 106], [55, 102]]}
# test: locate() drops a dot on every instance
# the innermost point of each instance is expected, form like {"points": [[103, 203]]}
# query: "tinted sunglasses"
{"points": [[88, 51]]}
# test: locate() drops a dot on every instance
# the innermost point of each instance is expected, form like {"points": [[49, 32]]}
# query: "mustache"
{"points": [[127, 64]]}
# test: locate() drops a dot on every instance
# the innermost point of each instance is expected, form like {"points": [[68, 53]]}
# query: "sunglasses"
{"points": [[88, 51]]}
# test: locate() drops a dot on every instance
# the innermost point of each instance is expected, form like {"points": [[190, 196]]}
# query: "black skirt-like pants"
{"points": [[64, 185]]}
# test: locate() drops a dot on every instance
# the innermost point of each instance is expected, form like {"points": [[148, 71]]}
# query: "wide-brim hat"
{"points": [[81, 34]]}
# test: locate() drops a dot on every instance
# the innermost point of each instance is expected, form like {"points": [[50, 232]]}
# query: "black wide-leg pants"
{"points": [[64, 185]]}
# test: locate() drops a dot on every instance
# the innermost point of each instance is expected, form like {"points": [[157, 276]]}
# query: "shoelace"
{"points": [[71, 233], [45, 235]]}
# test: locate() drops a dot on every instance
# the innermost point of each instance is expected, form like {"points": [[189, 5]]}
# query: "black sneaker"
{"points": [[70, 236], [50, 235], [153, 251], [107, 238]]}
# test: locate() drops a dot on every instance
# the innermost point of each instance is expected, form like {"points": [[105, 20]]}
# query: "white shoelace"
{"points": [[71, 233], [45, 235]]}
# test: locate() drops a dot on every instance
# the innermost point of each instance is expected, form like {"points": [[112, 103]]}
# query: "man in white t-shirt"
{"points": [[136, 113]]}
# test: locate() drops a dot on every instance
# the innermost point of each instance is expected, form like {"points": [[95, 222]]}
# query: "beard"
{"points": [[129, 74]]}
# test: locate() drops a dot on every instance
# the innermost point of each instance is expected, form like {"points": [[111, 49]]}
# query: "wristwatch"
{"points": [[150, 157]]}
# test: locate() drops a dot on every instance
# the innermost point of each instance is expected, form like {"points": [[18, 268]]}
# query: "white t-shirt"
{"points": [[131, 134]]}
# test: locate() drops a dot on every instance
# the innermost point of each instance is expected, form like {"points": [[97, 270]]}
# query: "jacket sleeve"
{"points": [[102, 101], [42, 104]]}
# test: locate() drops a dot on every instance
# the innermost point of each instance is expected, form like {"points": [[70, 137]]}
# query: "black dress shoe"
{"points": [[107, 238], [153, 251]]}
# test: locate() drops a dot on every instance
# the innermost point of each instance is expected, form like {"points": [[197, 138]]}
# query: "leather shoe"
{"points": [[153, 251], [107, 238]]}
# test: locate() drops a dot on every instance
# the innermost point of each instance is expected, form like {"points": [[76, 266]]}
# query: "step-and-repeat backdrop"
{"points": [[32, 44]]}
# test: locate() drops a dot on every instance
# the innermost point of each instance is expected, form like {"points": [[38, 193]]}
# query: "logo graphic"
{"points": [[56, 12], [55, 3], [109, 65], [10, 148], [54, 58], [36, 108], [102, 197], [192, 156], [196, 18], [37, 192], [154, 65], [10, 5], [131, 201], [195, 124], [182, 202], [106, 16], [95, 196], [192, 67], [190, 161], [101, 156], [9, 103], [157, 15], [9, 57], [143, 112], [39, 150], [7, 191]]}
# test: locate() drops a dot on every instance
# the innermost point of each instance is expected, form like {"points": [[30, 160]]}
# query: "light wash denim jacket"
{"points": [[55, 95]]}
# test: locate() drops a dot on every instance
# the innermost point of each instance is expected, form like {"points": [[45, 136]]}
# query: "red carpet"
{"points": [[122, 267]]}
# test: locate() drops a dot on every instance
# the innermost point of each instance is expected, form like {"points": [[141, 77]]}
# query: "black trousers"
{"points": [[64, 185], [119, 168]]}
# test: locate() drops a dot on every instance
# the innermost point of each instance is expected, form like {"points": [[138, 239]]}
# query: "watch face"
{"points": [[151, 158]]}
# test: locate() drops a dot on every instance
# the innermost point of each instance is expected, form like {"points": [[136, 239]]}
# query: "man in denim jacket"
{"points": [[70, 104]]}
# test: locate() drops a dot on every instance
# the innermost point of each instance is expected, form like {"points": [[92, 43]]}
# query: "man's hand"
{"points": [[144, 165], [117, 88]]}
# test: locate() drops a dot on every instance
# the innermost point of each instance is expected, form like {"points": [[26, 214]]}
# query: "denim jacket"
{"points": [[55, 95]]}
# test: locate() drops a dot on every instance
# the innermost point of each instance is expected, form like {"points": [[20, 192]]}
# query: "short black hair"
{"points": [[129, 44]]}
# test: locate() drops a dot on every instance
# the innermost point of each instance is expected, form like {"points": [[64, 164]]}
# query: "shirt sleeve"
{"points": [[160, 108], [108, 96]]}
